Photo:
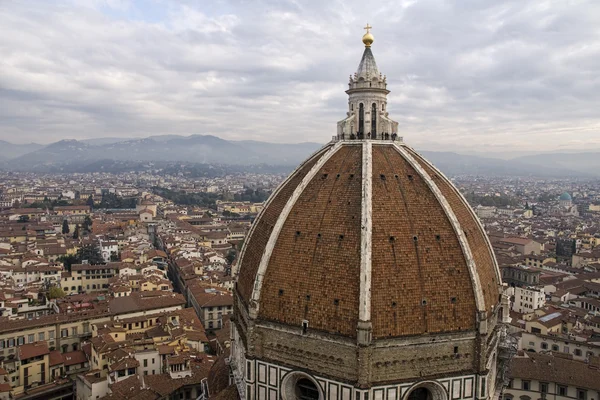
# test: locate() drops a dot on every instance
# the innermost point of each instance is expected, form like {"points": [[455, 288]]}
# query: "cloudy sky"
{"points": [[470, 75]]}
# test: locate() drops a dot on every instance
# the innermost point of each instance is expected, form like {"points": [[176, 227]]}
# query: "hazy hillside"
{"points": [[10, 150], [103, 141], [581, 162], [118, 153], [196, 149], [284, 154], [459, 164]]}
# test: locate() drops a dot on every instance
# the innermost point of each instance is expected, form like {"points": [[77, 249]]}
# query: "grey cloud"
{"points": [[464, 74]]}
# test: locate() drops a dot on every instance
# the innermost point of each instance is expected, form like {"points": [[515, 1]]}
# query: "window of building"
{"points": [[31, 338], [374, 119], [525, 385], [51, 335], [20, 340], [306, 389], [544, 346], [42, 336], [578, 352], [361, 118], [562, 390], [11, 343], [145, 362], [543, 387], [581, 394], [554, 347], [64, 332]]}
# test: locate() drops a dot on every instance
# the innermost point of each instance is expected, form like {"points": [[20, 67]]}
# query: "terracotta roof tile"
{"points": [[548, 368], [74, 357], [31, 350], [264, 224]]}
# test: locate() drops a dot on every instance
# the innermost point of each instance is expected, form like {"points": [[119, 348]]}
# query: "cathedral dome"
{"points": [[369, 231], [367, 275], [565, 196]]}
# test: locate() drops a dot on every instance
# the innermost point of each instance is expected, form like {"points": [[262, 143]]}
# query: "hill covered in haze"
{"points": [[85, 155]]}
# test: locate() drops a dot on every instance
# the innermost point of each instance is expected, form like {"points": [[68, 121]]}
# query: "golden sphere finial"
{"points": [[368, 37]]}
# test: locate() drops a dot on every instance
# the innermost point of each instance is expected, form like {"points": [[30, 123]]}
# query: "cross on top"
{"points": [[368, 27]]}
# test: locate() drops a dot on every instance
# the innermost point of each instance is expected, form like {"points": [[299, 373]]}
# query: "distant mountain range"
{"points": [[206, 149], [9, 150]]}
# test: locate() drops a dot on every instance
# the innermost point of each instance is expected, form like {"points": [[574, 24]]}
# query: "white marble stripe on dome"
{"points": [[274, 195], [366, 228], [479, 301], [264, 262]]}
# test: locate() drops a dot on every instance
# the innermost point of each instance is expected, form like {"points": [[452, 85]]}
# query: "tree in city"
{"points": [[68, 260], [231, 256], [55, 292], [24, 218], [65, 227], [90, 201], [89, 253], [76, 232], [229, 214], [87, 224]]}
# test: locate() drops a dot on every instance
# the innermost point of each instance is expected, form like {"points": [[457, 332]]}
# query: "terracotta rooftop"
{"points": [[74, 357], [145, 301], [56, 358], [125, 363], [33, 350], [555, 369], [516, 240]]}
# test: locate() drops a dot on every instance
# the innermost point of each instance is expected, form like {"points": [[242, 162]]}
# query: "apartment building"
{"points": [[65, 332], [528, 299], [540, 376]]}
